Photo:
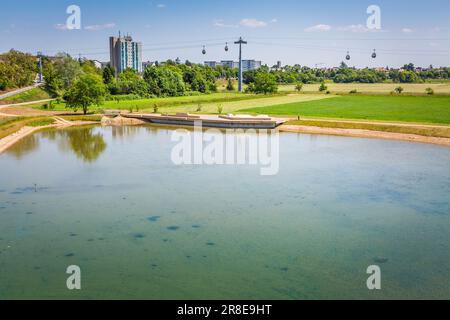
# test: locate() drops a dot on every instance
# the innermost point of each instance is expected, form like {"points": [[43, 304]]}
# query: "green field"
{"points": [[231, 102], [432, 109], [148, 104], [31, 95]]}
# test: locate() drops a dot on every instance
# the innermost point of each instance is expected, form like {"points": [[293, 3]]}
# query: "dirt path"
{"points": [[359, 133], [13, 93], [385, 123]]}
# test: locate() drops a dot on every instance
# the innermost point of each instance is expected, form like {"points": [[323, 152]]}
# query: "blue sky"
{"points": [[293, 31]]}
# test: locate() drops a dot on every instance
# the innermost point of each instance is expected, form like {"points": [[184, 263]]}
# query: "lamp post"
{"points": [[40, 67]]}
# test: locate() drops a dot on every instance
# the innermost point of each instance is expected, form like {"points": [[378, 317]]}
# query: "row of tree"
{"points": [[165, 80], [344, 74]]}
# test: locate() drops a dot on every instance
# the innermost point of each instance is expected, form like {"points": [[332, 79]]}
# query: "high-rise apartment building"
{"points": [[125, 53]]}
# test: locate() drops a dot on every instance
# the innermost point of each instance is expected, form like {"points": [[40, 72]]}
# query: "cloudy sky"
{"points": [[293, 31]]}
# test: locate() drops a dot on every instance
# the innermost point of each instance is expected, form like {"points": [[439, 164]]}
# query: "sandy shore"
{"points": [[358, 133]]}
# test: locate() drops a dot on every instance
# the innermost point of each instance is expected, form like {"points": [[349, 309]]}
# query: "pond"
{"points": [[111, 201]]}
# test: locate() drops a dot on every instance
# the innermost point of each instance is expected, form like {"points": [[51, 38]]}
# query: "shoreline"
{"points": [[361, 133], [8, 141]]}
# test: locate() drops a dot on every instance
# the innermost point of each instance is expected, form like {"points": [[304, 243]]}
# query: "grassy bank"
{"points": [[441, 132], [28, 96], [431, 109], [10, 125]]}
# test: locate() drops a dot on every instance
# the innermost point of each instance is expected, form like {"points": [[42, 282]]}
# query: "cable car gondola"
{"points": [[226, 47], [348, 56], [204, 50], [374, 54]]}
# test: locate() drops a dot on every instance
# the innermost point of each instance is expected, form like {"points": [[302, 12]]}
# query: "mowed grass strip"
{"points": [[441, 132], [432, 109], [233, 106], [148, 104]]}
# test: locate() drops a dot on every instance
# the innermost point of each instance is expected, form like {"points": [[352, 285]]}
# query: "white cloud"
{"points": [[274, 20], [98, 27], [319, 28], [161, 6], [407, 30], [253, 23], [60, 26], [222, 24], [357, 28]]}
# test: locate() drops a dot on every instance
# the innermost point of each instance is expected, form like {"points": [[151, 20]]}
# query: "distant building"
{"points": [[211, 64], [125, 53], [246, 64], [229, 63], [147, 64]]}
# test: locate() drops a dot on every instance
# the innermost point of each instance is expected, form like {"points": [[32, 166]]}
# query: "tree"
{"points": [[323, 87], [230, 85], [88, 90], [264, 83], [164, 82], [299, 87], [53, 84], [108, 75], [17, 69], [67, 69]]}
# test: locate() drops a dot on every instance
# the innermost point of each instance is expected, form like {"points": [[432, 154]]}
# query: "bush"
{"points": [[230, 85], [354, 91], [429, 91], [264, 83], [219, 109], [323, 87], [155, 108], [399, 90]]}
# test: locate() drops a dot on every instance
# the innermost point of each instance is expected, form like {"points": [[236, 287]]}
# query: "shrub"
{"points": [[230, 85], [323, 87], [399, 90], [429, 91], [155, 108], [354, 91], [299, 87], [219, 109]]}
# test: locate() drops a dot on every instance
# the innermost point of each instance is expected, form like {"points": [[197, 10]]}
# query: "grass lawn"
{"points": [[430, 109], [375, 88], [148, 104], [230, 102], [31, 95], [254, 102]]}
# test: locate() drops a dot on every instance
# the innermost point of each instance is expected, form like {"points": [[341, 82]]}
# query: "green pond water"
{"points": [[111, 201]]}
